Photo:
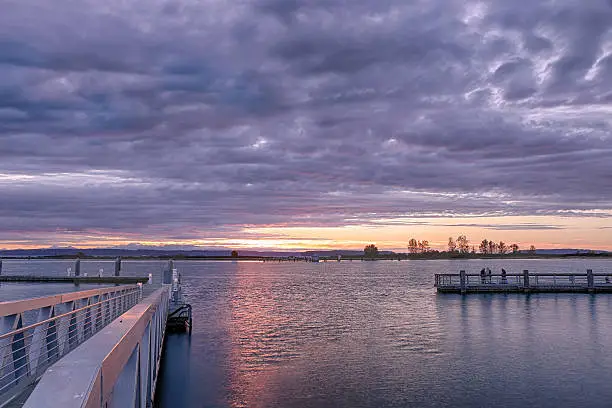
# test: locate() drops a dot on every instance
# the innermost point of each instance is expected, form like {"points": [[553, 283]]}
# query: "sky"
{"points": [[305, 123]]}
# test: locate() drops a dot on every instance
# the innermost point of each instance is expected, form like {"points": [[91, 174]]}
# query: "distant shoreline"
{"points": [[291, 258]]}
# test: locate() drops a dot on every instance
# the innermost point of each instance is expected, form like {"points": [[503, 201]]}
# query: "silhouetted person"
{"points": [[482, 276], [489, 274], [503, 278]]}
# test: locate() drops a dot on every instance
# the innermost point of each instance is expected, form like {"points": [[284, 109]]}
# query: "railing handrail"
{"points": [[25, 352], [23, 305], [530, 274], [57, 317], [89, 373]]}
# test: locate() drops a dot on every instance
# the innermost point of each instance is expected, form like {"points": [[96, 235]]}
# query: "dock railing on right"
{"points": [[527, 282]]}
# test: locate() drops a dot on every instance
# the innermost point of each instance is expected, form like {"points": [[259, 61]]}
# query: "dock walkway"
{"points": [[92, 348]]}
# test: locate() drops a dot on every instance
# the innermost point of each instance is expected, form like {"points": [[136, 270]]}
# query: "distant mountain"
{"points": [[189, 251], [113, 252]]}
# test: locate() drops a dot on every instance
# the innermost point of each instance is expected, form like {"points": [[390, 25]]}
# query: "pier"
{"points": [[525, 282], [118, 280], [92, 348]]}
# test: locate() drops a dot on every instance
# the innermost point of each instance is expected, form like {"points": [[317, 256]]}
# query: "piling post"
{"points": [[462, 280], [167, 276], [0, 266], [526, 280], [590, 281], [118, 266], [77, 267]]}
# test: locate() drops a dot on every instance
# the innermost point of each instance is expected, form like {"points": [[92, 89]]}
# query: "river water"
{"points": [[376, 334]]}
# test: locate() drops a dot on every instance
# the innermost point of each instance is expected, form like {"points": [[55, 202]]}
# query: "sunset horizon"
{"points": [[295, 124]]}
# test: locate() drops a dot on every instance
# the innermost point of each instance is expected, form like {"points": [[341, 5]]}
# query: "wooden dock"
{"points": [[122, 280], [525, 282]]}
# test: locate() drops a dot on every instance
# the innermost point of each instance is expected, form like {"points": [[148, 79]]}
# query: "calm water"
{"points": [[13, 291], [371, 334], [375, 334]]}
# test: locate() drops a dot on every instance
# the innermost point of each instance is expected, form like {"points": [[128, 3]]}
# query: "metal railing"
{"points": [[117, 367], [35, 333], [525, 280]]}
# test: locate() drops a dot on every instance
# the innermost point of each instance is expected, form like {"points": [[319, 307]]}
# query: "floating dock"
{"points": [[526, 282], [122, 280]]}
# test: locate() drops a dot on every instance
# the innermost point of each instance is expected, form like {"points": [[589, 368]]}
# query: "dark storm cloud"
{"points": [[182, 118]]}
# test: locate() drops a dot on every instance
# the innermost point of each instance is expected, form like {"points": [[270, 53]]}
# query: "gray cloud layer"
{"points": [[190, 116]]}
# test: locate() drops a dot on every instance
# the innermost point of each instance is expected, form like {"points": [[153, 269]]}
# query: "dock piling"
{"points": [[118, 266], [77, 267], [590, 281], [0, 266], [167, 275], [526, 280], [462, 280]]}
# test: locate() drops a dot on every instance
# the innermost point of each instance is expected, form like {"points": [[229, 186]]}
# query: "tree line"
{"points": [[461, 245]]}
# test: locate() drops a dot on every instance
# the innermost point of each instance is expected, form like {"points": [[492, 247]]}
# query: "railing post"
{"points": [[77, 267], [462, 280], [118, 266], [526, 280], [590, 280]]}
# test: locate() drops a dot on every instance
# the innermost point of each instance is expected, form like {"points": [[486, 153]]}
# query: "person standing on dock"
{"points": [[482, 276], [489, 274], [503, 276]]}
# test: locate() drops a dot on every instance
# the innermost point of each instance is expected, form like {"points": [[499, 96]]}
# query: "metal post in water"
{"points": [[590, 280], [0, 266], [118, 266], [462, 280], [77, 267], [526, 280], [167, 275]]}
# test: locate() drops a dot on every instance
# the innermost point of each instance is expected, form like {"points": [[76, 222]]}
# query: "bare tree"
{"points": [[492, 247], [502, 247], [452, 246], [463, 244], [424, 246], [532, 250], [514, 248], [413, 246], [484, 246]]}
